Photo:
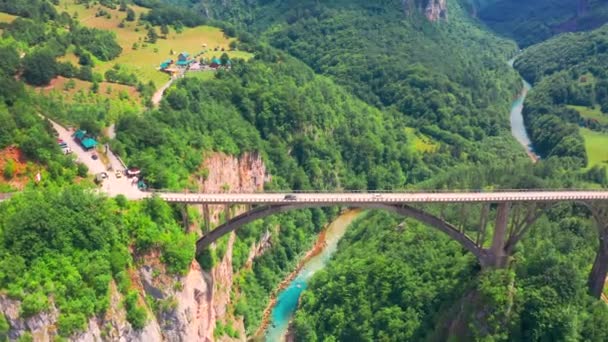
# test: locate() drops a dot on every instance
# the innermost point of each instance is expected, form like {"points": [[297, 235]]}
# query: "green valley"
{"points": [[282, 104]]}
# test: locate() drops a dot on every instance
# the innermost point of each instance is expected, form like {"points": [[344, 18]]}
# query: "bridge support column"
{"points": [[185, 218], [206, 218], [597, 277], [497, 256], [227, 212], [599, 271]]}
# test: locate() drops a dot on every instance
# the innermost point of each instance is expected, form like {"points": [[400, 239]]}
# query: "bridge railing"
{"points": [[401, 191]]}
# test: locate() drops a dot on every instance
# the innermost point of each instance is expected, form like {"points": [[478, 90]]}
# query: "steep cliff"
{"points": [[433, 10], [179, 308], [436, 9]]}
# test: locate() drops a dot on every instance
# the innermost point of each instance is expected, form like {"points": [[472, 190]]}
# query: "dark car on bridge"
{"points": [[290, 197]]}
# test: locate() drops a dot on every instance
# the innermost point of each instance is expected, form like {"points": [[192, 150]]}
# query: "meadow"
{"points": [[141, 57], [591, 113], [6, 18], [596, 145], [68, 88], [419, 142]]}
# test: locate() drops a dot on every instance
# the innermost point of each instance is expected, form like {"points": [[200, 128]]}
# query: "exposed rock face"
{"points": [[436, 9], [41, 326]]}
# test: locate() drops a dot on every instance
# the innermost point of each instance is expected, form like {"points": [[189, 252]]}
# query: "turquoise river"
{"points": [[287, 300]]}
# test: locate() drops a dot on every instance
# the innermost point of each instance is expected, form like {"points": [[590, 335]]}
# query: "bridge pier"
{"points": [[185, 218], [206, 219], [497, 256], [599, 271], [227, 212]]}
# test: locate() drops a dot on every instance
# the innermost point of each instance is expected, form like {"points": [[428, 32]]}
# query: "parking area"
{"points": [[111, 176]]}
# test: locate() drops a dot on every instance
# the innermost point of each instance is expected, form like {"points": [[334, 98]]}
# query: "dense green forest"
{"points": [[386, 295], [394, 63], [68, 244], [570, 91], [420, 286]]}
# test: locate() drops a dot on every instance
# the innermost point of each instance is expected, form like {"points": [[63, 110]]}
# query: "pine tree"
{"points": [[152, 35]]}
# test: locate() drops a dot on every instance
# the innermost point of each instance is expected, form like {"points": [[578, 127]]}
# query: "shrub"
{"points": [[136, 315], [33, 304], [83, 170], [9, 170]]}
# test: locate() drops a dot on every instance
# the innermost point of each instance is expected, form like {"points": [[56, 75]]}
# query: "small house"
{"points": [[165, 64], [184, 56], [81, 137], [215, 63], [184, 64], [88, 143]]}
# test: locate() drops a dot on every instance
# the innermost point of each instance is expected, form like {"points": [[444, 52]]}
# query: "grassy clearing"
{"points": [[59, 86], [145, 60], [596, 145], [591, 113], [202, 75], [7, 18], [420, 142]]}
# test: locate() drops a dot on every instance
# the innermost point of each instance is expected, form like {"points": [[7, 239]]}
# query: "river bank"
{"points": [[314, 260], [518, 127]]}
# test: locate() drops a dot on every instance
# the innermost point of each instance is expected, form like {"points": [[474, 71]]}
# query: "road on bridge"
{"points": [[405, 197]]}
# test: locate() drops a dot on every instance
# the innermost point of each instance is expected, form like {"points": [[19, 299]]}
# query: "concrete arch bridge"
{"points": [[510, 214]]}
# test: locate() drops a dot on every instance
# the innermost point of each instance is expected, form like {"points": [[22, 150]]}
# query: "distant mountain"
{"points": [[532, 21]]}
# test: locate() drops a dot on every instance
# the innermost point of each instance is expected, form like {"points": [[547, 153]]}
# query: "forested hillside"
{"points": [[427, 71], [420, 286], [567, 111], [530, 22]]}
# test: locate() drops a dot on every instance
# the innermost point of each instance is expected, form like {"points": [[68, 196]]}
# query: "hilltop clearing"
{"points": [[140, 55]]}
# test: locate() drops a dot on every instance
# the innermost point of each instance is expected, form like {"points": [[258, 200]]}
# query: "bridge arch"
{"points": [[401, 209]]}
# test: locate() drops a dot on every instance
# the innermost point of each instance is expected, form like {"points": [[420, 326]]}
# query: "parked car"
{"points": [[290, 197], [100, 177]]}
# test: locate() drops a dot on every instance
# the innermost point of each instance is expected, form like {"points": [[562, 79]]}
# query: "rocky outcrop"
{"points": [[203, 297], [41, 326], [433, 10], [436, 10], [114, 324]]}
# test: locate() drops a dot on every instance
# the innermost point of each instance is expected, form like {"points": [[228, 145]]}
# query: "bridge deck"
{"points": [[359, 197], [408, 197]]}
